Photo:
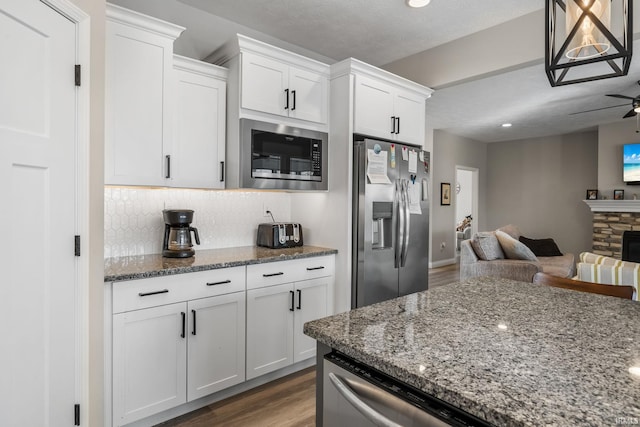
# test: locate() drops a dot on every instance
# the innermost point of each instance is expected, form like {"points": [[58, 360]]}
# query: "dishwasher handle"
{"points": [[371, 414]]}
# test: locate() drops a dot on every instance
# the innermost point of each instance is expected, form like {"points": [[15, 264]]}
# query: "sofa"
{"points": [[503, 253]]}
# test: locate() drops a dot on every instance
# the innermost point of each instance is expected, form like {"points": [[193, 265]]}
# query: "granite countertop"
{"points": [[511, 353], [144, 266]]}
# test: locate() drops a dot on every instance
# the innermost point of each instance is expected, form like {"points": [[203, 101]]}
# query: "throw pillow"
{"points": [[486, 246], [511, 230], [541, 247], [513, 249]]}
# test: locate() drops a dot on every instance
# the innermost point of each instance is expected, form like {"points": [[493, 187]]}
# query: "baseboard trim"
{"points": [[442, 263]]}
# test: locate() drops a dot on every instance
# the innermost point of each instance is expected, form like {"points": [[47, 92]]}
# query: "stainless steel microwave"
{"points": [[275, 156]]}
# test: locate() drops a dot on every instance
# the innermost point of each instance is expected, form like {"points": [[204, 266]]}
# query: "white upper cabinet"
{"points": [[138, 97], [198, 143], [272, 84], [385, 105], [165, 122]]}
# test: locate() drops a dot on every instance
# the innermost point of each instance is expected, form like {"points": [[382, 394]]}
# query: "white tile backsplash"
{"points": [[133, 223]]}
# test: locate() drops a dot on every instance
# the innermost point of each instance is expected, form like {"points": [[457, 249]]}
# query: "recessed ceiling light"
{"points": [[506, 125], [417, 3]]}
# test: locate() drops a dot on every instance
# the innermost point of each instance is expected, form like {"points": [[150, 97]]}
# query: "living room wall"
{"points": [[540, 184], [450, 151], [611, 138]]}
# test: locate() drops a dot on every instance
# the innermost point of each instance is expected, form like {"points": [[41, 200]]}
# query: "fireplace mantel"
{"points": [[614, 205]]}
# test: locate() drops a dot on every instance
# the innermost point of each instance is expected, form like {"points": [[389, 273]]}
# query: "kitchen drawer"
{"points": [[275, 273], [145, 293]]}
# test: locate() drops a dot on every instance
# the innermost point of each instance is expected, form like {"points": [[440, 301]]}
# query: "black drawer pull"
{"points": [[315, 268], [292, 300], [146, 294], [299, 299], [273, 274], [194, 322], [184, 323], [218, 283]]}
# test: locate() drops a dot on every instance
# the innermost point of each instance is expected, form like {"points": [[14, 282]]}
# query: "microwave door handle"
{"points": [[367, 411], [407, 221]]}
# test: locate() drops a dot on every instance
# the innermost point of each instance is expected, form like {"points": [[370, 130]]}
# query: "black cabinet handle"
{"points": [[292, 298], [146, 294], [184, 323], [218, 283], [273, 274], [315, 268], [168, 157], [221, 171], [193, 312], [299, 299], [398, 127], [293, 92], [393, 124], [286, 94]]}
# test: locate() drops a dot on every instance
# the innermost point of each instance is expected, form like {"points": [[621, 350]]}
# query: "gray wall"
{"points": [[611, 138], [450, 151], [540, 184]]}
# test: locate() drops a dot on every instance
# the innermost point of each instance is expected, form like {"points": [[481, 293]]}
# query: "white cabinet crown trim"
{"points": [[203, 68], [355, 66], [143, 22]]}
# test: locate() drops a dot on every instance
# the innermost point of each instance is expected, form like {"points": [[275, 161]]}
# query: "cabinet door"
{"points": [[216, 350], [199, 135], [149, 361], [137, 97], [264, 82], [308, 95], [373, 108], [269, 329], [313, 300], [410, 109]]}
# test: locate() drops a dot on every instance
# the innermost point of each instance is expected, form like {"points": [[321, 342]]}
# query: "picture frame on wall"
{"points": [[618, 194], [592, 194], [445, 193]]}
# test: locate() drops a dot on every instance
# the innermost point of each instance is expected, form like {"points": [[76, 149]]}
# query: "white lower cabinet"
{"points": [[149, 362], [216, 344], [276, 312]]}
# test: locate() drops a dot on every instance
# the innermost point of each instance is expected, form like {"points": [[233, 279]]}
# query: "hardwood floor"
{"points": [[287, 402]]}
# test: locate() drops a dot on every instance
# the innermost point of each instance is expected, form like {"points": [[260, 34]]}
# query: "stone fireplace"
{"points": [[611, 218]]}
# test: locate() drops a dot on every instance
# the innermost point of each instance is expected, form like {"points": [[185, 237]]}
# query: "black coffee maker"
{"points": [[177, 233]]}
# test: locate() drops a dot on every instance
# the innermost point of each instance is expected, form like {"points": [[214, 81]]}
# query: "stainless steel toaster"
{"points": [[279, 235]]}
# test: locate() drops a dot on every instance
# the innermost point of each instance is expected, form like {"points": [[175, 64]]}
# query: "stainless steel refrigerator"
{"points": [[390, 221]]}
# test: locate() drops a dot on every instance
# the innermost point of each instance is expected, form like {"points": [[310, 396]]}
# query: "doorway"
{"points": [[466, 204]]}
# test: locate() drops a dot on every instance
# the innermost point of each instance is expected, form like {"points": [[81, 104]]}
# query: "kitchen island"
{"points": [[510, 353]]}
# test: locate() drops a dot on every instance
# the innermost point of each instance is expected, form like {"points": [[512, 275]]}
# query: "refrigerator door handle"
{"points": [[398, 211], [407, 221]]}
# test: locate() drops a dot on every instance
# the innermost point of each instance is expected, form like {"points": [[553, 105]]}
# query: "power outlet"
{"points": [[442, 246], [265, 210]]}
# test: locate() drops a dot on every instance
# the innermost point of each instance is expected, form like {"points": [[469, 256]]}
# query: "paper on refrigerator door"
{"points": [[414, 194], [377, 167], [413, 161]]}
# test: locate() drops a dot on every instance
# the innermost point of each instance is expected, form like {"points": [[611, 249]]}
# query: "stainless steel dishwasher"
{"points": [[355, 395]]}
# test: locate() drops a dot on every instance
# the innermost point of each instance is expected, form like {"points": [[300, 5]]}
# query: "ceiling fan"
{"points": [[635, 105]]}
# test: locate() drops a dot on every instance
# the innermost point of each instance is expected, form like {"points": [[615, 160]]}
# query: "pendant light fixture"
{"points": [[587, 40]]}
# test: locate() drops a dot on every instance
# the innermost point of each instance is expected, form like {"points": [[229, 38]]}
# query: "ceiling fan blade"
{"points": [[615, 95], [598, 109], [631, 113]]}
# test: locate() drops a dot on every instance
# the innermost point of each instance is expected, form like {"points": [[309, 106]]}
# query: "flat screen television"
{"points": [[631, 164]]}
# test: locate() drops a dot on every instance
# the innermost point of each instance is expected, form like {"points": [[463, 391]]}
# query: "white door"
{"points": [[410, 109], [308, 95], [264, 82], [311, 303], [149, 361], [269, 329], [373, 108], [216, 344], [38, 191]]}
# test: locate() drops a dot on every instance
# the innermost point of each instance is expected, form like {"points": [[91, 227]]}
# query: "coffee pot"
{"points": [[177, 233]]}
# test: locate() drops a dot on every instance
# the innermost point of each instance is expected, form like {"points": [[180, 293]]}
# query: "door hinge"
{"points": [[76, 413], [77, 245], [78, 74]]}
